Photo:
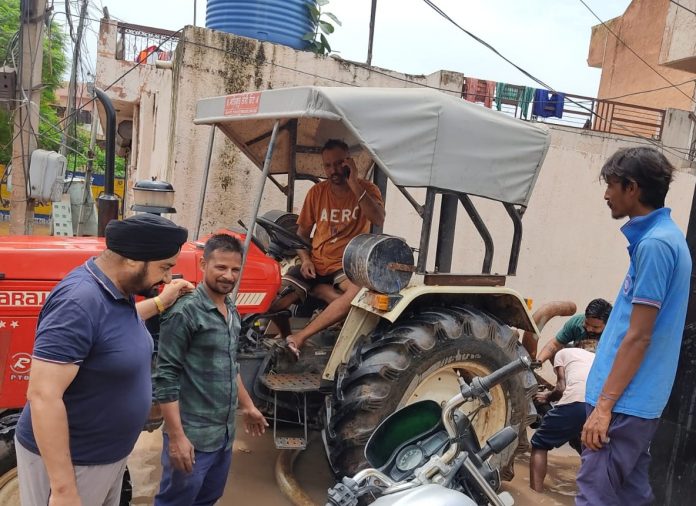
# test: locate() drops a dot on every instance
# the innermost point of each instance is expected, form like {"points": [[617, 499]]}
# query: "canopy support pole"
{"points": [[515, 215], [445, 233], [204, 184], [419, 208], [482, 230], [380, 179], [292, 170], [425, 231], [255, 207]]}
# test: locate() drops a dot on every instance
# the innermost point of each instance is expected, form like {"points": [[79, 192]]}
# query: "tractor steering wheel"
{"points": [[282, 236]]}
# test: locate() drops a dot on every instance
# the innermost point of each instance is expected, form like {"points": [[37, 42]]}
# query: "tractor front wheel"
{"points": [[420, 357]]}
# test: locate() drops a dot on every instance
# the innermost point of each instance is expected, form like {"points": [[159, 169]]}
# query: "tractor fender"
{"points": [[504, 303], [501, 302]]}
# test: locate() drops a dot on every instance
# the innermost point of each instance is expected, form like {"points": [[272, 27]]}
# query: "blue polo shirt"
{"points": [[86, 321], [658, 275]]}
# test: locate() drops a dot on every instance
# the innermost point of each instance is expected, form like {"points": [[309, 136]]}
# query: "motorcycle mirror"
{"points": [[498, 442]]}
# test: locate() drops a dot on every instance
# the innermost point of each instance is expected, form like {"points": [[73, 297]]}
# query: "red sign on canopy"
{"points": [[242, 103]]}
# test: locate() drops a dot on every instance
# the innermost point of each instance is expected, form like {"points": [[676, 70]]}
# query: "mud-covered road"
{"points": [[252, 480]]}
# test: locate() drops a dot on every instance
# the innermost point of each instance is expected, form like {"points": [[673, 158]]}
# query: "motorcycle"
{"points": [[424, 454]]}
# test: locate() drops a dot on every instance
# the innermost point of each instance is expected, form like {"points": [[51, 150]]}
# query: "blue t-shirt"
{"points": [[86, 321], [659, 274]]}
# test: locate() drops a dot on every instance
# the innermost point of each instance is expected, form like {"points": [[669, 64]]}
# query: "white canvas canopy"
{"points": [[418, 137]]}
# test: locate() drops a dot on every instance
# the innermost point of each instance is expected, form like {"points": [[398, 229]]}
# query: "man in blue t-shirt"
{"points": [[636, 361], [578, 328], [89, 389]]}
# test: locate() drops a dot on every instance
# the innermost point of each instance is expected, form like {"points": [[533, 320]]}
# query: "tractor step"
{"points": [[299, 383], [290, 443]]}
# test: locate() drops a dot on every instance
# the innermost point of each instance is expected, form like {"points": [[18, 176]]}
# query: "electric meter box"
{"points": [[46, 175]]}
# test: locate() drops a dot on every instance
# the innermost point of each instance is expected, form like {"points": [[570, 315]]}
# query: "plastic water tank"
{"points": [[279, 21]]}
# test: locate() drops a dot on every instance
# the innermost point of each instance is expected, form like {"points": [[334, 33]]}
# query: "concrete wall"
{"points": [[210, 63], [141, 94], [679, 39], [572, 249], [641, 27]]}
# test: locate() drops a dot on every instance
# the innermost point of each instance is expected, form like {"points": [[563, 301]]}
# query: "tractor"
{"points": [[415, 327]]}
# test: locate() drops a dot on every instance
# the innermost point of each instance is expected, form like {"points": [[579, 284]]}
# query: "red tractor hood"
{"points": [[29, 259]]}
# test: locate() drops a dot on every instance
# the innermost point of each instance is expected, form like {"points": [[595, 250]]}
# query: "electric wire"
{"points": [[683, 7], [432, 5], [539, 81]]}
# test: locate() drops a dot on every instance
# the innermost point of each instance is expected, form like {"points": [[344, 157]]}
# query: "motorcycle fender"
{"points": [[426, 495]]}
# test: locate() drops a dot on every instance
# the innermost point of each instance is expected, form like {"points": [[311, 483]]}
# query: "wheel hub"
{"points": [[441, 385]]}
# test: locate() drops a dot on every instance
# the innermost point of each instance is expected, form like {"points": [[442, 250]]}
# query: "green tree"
{"points": [[54, 64]]}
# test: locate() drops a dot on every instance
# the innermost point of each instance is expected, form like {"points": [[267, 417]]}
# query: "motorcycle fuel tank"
{"points": [[427, 495]]}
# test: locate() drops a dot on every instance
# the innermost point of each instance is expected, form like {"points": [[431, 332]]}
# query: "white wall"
{"points": [[571, 247]]}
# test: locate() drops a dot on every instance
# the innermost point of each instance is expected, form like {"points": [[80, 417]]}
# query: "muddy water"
{"points": [[252, 480]]}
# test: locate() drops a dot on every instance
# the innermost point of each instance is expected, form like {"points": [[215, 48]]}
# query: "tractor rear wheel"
{"points": [[9, 484], [418, 358]]}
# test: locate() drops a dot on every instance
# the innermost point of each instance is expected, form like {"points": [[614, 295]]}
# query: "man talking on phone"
{"points": [[337, 209]]}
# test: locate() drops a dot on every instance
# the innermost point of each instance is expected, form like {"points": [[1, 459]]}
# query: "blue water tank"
{"points": [[279, 21]]}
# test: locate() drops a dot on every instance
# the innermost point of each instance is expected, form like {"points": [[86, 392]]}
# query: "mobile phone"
{"points": [[346, 171]]}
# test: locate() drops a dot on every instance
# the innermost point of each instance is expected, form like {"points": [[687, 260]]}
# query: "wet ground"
{"points": [[252, 479]]}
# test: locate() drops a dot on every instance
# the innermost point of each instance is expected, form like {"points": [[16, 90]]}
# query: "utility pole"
{"points": [[69, 118], [32, 18], [373, 15]]}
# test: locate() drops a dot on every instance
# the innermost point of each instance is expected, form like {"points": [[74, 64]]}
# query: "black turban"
{"points": [[145, 237]]}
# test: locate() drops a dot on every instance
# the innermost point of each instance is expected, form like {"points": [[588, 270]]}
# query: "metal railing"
{"points": [[144, 44], [587, 113]]}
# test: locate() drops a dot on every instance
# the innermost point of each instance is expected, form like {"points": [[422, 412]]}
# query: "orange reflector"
{"points": [[530, 303], [380, 301]]}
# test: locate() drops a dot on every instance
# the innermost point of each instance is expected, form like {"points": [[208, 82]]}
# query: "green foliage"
{"points": [[54, 64], [323, 27], [78, 162]]}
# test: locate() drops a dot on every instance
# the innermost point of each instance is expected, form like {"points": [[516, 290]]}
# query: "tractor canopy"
{"points": [[418, 137]]}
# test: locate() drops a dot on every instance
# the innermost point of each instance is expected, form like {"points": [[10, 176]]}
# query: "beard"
{"points": [[138, 284], [219, 287]]}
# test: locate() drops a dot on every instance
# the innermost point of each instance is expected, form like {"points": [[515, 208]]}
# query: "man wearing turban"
{"points": [[90, 389]]}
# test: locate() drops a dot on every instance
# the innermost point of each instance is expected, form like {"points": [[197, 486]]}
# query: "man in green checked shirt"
{"points": [[198, 385]]}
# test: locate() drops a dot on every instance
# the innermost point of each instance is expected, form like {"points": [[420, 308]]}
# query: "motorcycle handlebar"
{"points": [[505, 372]]}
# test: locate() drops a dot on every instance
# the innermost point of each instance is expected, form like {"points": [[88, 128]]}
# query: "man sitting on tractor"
{"points": [[338, 209]]}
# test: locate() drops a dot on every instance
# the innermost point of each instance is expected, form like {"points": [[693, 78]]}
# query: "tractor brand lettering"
{"points": [[20, 364], [469, 356], [23, 299], [242, 103]]}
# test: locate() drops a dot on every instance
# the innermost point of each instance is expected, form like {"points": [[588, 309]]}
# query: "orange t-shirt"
{"points": [[337, 219]]}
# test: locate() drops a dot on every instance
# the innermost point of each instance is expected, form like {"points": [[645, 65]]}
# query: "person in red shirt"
{"points": [[336, 209]]}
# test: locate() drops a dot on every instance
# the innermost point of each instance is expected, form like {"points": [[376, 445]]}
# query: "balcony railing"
{"points": [[587, 113], [145, 44]]}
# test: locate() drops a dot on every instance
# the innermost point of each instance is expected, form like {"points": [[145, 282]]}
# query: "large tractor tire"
{"points": [[419, 358], [9, 484]]}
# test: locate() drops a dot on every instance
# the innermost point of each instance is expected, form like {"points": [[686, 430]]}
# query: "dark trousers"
{"points": [[202, 486], [617, 474]]}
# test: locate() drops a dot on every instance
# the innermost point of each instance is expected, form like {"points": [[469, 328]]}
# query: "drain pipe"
{"points": [[541, 317], [107, 202], [286, 481]]}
